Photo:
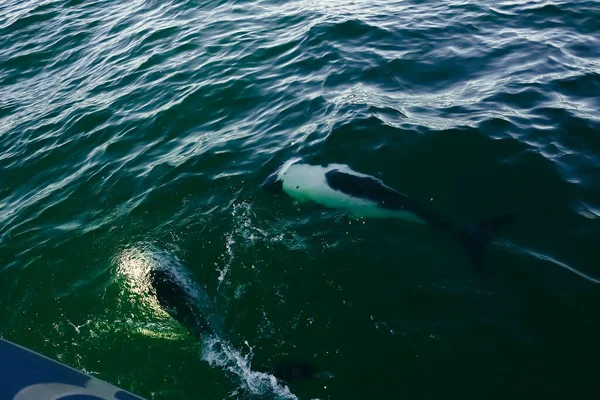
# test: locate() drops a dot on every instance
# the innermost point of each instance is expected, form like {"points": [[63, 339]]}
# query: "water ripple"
{"points": [[152, 120]]}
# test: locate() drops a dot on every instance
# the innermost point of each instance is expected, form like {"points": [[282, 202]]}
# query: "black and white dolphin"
{"points": [[176, 297], [363, 196]]}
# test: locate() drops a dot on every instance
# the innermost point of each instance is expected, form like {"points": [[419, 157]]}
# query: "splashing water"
{"points": [[230, 257], [220, 353], [248, 231], [243, 232]]}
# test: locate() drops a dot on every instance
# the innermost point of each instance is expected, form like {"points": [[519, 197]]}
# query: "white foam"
{"points": [[220, 353]]}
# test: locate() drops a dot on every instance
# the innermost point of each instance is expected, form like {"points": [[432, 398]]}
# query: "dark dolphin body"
{"points": [[174, 298], [338, 186], [177, 302], [293, 370]]}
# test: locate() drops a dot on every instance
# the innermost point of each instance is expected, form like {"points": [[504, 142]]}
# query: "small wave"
{"points": [[220, 353], [561, 264]]}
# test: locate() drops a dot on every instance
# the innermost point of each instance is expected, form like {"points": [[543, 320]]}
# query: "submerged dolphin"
{"points": [[175, 298], [364, 196]]}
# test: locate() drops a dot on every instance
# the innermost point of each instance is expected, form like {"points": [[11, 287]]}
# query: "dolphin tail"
{"points": [[294, 370], [475, 238], [290, 370]]}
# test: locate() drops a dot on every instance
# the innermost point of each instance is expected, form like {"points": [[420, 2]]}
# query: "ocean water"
{"points": [[137, 133]]}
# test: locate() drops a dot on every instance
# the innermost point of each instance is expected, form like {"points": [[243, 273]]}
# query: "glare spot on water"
{"points": [[144, 314]]}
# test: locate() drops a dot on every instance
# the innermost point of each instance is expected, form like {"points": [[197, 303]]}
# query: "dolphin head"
{"points": [[273, 184]]}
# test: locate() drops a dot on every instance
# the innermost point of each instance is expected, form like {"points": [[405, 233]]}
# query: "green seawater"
{"points": [[138, 133]]}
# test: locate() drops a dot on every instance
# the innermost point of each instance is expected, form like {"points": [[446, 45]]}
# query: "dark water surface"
{"points": [[135, 133]]}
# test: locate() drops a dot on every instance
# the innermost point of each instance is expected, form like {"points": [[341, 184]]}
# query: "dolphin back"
{"points": [[174, 299], [369, 188], [474, 239]]}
